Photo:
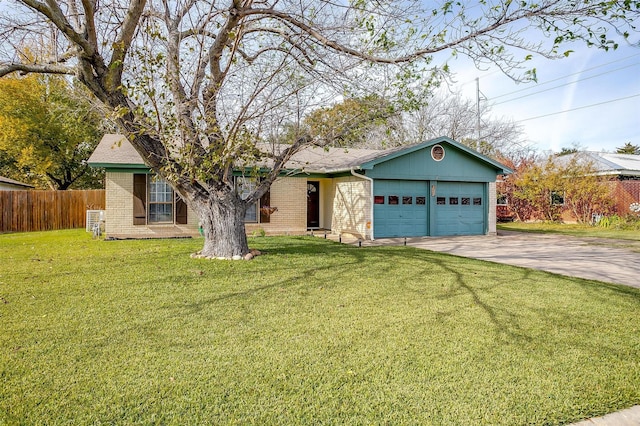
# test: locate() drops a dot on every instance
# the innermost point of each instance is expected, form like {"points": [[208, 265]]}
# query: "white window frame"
{"points": [[154, 181], [245, 186]]}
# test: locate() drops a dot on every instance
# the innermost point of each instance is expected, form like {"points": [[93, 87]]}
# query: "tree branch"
{"points": [[90, 23], [123, 43], [36, 68]]}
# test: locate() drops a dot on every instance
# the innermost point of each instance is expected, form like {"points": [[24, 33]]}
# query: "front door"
{"points": [[313, 204]]}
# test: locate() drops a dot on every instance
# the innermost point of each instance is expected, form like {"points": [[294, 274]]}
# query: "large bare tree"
{"points": [[196, 84], [452, 115]]}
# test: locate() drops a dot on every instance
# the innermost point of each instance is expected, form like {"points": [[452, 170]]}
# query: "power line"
{"points": [[565, 76], [566, 84], [578, 108]]}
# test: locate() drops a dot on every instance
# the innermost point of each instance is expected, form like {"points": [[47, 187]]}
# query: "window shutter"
{"points": [[181, 211], [265, 201], [139, 199]]}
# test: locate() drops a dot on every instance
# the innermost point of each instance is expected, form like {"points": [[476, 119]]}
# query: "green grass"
{"points": [[313, 332], [577, 230]]}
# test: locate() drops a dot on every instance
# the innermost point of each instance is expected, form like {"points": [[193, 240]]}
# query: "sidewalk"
{"points": [[628, 417]]}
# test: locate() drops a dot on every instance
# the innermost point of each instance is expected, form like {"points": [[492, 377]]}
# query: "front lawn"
{"points": [[312, 332], [575, 229]]}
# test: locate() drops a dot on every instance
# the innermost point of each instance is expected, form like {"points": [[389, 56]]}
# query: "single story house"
{"points": [[7, 184], [435, 188]]}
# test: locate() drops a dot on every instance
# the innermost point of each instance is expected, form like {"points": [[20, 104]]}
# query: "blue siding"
{"points": [[454, 191], [456, 165]]}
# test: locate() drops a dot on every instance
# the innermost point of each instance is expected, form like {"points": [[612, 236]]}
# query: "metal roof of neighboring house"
{"points": [[8, 181], [116, 151], [615, 164]]}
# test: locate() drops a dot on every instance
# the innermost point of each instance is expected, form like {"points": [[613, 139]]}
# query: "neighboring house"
{"points": [[7, 184], [621, 170], [438, 187], [624, 170]]}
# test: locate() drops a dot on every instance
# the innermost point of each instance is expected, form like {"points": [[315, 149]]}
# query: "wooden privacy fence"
{"points": [[24, 211]]}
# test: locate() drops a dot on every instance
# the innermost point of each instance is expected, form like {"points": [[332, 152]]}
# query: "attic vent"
{"points": [[437, 152]]}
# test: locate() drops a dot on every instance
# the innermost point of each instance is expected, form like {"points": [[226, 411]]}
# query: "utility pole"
{"points": [[478, 112]]}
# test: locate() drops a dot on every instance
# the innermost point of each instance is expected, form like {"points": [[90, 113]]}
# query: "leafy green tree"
{"points": [[197, 85], [628, 148], [509, 184], [48, 130], [538, 186], [367, 122]]}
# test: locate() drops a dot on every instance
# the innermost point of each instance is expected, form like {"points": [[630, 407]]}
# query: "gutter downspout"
{"points": [[353, 172]]}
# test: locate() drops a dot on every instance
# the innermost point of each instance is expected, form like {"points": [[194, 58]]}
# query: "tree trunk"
{"points": [[222, 222]]}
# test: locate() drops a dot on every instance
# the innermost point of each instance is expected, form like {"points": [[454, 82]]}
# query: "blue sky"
{"points": [[600, 92]]}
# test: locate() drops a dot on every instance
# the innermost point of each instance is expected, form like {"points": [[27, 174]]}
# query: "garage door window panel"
{"points": [[407, 200], [394, 200], [453, 201], [378, 199]]}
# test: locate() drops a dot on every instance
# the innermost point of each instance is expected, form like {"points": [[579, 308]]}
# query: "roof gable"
{"points": [[115, 151], [401, 151]]}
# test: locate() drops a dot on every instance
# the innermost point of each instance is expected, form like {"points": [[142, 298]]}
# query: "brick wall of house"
{"points": [[625, 192], [492, 193], [289, 195], [352, 207], [119, 213], [327, 195], [119, 203]]}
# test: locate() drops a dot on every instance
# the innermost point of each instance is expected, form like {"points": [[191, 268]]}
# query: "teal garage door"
{"points": [[459, 209], [400, 208]]}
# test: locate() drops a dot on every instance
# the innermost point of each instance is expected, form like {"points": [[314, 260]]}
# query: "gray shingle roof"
{"points": [[14, 182], [115, 150]]}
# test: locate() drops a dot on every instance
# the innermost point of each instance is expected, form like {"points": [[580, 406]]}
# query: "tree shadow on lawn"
{"points": [[515, 313], [319, 263]]}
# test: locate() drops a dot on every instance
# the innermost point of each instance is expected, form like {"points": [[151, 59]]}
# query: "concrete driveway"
{"points": [[613, 261]]}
